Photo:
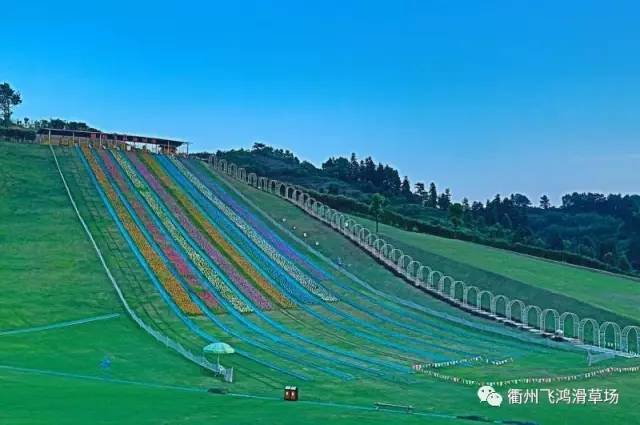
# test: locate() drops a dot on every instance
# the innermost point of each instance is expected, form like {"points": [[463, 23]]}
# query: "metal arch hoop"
{"points": [[538, 311], [556, 319], [494, 304], [453, 289], [617, 334], [479, 298], [595, 327], [625, 343], [465, 295], [520, 305]]}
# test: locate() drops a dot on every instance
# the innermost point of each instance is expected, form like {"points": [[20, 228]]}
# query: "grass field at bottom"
{"points": [[30, 398], [150, 384]]}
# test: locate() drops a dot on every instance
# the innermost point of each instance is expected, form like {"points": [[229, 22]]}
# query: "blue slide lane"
{"points": [[208, 179], [280, 353], [220, 220], [164, 295], [245, 320]]}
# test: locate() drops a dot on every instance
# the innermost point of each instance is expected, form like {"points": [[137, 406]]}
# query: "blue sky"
{"points": [[482, 97]]}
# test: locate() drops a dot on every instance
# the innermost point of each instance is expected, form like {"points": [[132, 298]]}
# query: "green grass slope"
{"points": [[331, 245], [49, 273], [516, 275]]}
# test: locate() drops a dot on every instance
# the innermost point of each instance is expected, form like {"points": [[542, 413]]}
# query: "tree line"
{"points": [[593, 230], [26, 127]]}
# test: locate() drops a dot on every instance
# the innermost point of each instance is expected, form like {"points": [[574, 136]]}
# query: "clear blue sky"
{"points": [[482, 97]]}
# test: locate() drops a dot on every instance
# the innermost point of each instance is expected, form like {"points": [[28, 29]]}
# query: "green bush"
{"points": [[351, 206], [17, 133]]}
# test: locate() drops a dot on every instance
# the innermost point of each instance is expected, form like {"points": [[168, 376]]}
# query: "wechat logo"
{"points": [[487, 394]]}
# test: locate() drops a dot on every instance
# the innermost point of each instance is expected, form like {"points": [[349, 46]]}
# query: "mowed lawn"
{"points": [[49, 273], [30, 398], [606, 291], [48, 269]]}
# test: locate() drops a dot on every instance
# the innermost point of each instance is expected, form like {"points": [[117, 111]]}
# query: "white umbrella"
{"points": [[219, 348]]}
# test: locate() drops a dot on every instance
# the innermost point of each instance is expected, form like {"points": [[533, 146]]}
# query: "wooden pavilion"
{"points": [[54, 136]]}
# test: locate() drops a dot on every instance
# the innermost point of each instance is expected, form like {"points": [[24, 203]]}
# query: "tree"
{"points": [[545, 203], [467, 216], [57, 123], [420, 189], [477, 208], [609, 258], [506, 221], [376, 208], [444, 200], [555, 241], [354, 167], [8, 99], [369, 169], [633, 252], [586, 250], [79, 126], [456, 212], [337, 167], [38, 124], [432, 197], [493, 210], [378, 178], [391, 179], [405, 188], [623, 263], [519, 200], [522, 234]]}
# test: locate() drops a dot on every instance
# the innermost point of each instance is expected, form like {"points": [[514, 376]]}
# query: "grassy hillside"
{"points": [[515, 274], [36, 215], [293, 221], [49, 274], [53, 376]]}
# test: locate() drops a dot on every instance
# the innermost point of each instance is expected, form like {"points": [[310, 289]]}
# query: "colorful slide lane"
{"points": [[178, 305], [314, 343], [298, 361], [259, 331], [334, 351], [229, 259], [372, 322], [212, 258], [386, 308], [357, 328]]}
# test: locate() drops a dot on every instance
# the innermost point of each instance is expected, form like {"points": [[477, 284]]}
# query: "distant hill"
{"points": [[589, 229]]}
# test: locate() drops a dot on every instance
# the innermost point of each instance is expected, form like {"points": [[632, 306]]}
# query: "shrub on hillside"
{"points": [[17, 133]]}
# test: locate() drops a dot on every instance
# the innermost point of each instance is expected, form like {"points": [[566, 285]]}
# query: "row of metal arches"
{"points": [[589, 331]]}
